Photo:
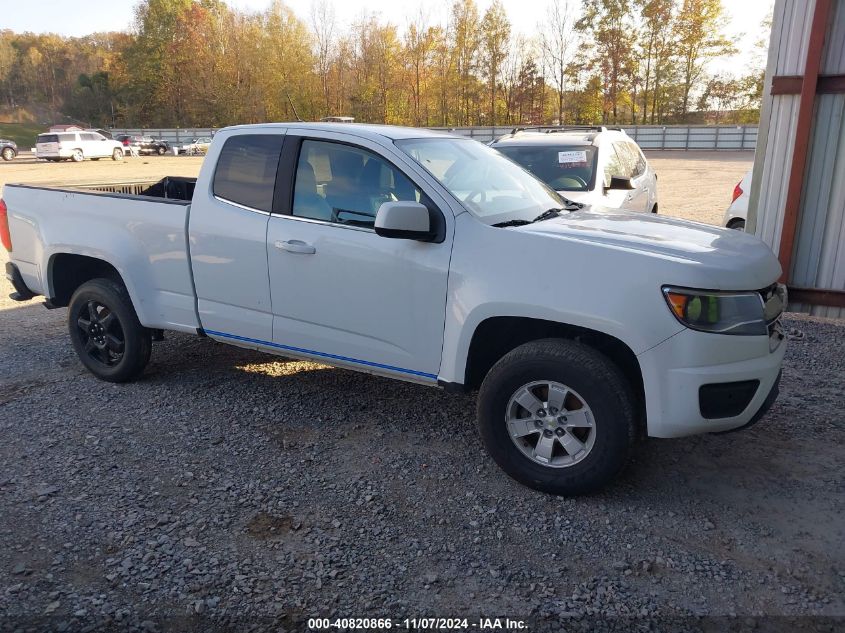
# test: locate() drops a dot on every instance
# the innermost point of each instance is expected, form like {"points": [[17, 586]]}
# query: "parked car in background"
{"points": [[8, 149], [196, 146], [76, 146], [593, 165], [144, 144], [737, 213], [423, 257]]}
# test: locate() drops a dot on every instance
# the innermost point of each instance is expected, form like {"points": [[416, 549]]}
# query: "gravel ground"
{"points": [[229, 489]]}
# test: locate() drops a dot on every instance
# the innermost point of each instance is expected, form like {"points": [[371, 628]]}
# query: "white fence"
{"points": [[658, 137], [683, 137]]}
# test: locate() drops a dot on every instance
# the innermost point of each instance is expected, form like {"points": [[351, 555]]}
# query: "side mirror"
{"points": [[619, 182], [404, 220]]}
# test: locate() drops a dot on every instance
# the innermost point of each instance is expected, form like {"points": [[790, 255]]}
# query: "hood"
{"points": [[725, 259]]}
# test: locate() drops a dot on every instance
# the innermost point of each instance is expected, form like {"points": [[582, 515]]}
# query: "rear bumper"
{"points": [[22, 293], [680, 374]]}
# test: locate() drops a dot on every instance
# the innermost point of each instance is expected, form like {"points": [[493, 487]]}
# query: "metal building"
{"points": [[797, 202]]}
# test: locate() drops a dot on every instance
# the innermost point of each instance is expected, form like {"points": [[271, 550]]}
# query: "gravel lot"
{"points": [[229, 490], [698, 185]]}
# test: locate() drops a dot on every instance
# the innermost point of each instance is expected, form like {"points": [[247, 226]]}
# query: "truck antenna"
{"points": [[295, 113]]}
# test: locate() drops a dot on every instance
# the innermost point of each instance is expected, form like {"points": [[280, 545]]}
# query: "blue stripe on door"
{"points": [[312, 352]]}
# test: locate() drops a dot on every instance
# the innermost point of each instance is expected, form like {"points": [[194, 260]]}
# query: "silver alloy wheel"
{"points": [[550, 424], [8, 154], [77, 155]]}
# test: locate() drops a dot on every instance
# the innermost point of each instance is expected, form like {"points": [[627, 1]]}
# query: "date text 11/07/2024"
{"points": [[417, 624]]}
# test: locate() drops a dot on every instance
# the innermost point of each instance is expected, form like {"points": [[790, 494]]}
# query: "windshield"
{"points": [[562, 167], [489, 185]]}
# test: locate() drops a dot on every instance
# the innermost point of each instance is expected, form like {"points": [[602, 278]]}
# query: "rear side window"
{"points": [[246, 170], [67, 138], [641, 164]]}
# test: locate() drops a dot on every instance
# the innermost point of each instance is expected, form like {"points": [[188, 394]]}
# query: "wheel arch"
{"points": [[67, 271], [496, 336]]}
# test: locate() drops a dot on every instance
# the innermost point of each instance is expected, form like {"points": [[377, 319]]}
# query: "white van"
{"points": [[76, 146]]}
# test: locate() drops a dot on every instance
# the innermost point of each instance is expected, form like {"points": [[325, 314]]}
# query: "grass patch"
{"points": [[22, 133]]}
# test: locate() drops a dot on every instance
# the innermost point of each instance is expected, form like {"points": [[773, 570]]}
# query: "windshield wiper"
{"points": [[548, 214], [512, 223]]}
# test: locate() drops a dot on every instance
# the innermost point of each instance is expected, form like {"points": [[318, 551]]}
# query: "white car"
{"points": [[197, 146], [593, 165], [428, 258], [737, 213], [76, 146]]}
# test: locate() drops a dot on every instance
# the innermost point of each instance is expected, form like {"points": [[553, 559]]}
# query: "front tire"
{"points": [[106, 333], [557, 416], [8, 154], [737, 223], [117, 154], [162, 151]]}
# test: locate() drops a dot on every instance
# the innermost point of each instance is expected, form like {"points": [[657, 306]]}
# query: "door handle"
{"points": [[296, 246]]}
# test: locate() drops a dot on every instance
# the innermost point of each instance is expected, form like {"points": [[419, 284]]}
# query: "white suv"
{"points": [[76, 146], [593, 165]]}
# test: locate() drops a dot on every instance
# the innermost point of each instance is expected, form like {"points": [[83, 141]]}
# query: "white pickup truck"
{"points": [[423, 257]]}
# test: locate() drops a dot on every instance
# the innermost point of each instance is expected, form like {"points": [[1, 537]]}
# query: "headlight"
{"points": [[719, 312]]}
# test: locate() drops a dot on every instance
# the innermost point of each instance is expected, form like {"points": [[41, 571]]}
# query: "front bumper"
{"points": [[675, 371]]}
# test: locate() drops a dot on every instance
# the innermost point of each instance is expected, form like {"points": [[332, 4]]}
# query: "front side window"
{"points": [[613, 165], [563, 168], [627, 160], [246, 170], [345, 184], [493, 188]]}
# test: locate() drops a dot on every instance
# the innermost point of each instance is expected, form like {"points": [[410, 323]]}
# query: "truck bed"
{"points": [[146, 222]]}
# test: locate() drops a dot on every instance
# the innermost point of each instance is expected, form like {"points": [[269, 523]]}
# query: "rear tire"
{"points": [[106, 333], [737, 223], [77, 156], [162, 151], [8, 154], [591, 429]]}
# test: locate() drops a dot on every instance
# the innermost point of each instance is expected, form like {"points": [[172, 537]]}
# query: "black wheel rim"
{"points": [[101, 334]]}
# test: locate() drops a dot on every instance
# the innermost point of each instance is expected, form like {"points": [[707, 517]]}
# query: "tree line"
{"points": [[201, 63]]}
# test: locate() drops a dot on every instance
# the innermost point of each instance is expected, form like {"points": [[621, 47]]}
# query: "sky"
{"points": [[81, 17]]}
